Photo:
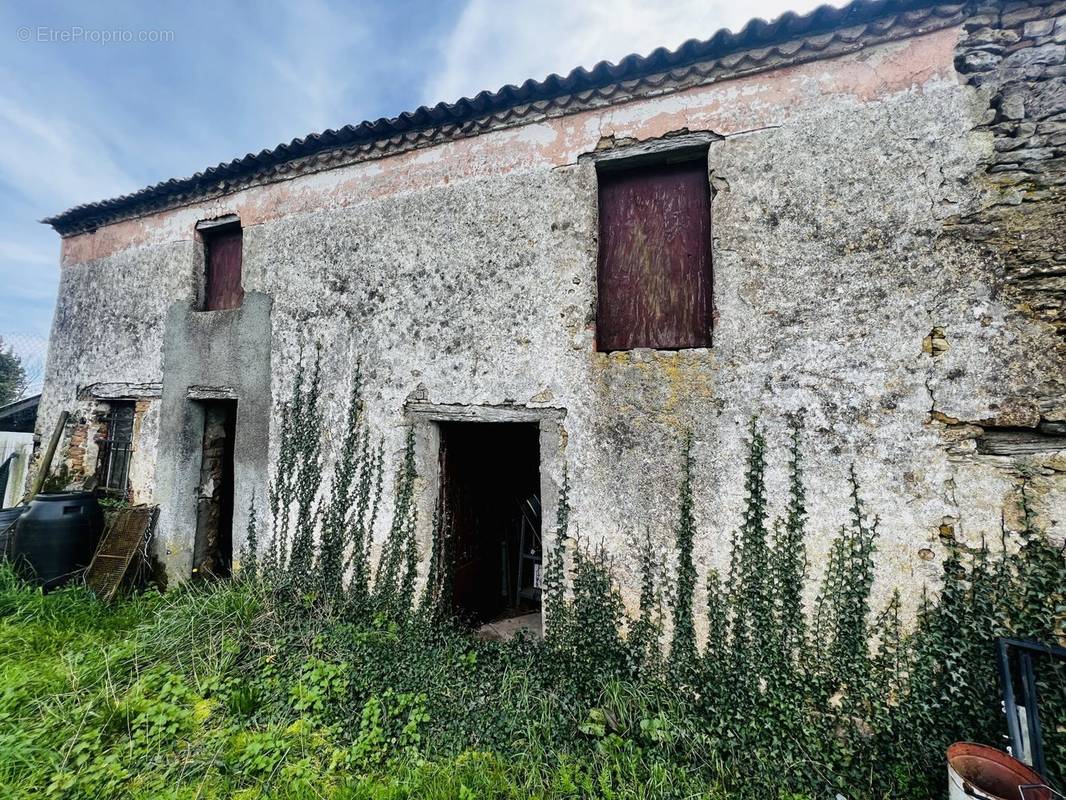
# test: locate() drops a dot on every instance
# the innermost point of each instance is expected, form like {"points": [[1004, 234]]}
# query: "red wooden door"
{"points": [[223, 287], [655, 258]]}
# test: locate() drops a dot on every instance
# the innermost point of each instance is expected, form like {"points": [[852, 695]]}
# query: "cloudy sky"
{"points": [[84, 119]]}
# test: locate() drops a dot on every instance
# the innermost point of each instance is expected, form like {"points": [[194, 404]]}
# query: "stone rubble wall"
{"points": [[1015, 54]]}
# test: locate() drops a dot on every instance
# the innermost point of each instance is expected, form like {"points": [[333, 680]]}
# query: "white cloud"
{"points": [[312, 54], [26, 254], [51, 158], [495, 43]]}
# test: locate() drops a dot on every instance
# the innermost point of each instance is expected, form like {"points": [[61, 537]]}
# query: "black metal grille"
{"points": [[115, 449]]}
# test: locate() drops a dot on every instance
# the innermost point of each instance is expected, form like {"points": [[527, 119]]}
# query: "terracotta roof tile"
{"points": [[757, 33]]}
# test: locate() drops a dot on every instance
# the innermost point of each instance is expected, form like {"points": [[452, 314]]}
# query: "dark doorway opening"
{"points": [[490, 493], [213, 550]]}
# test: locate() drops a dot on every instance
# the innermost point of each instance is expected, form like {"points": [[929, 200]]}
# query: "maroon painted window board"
{"points": [[654, 280], [222, 279]]}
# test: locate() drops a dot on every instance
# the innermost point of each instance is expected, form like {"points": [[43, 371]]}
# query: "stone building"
{"points": [[853, 217]]}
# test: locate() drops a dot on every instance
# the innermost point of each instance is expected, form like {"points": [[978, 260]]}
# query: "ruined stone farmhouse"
{"points": [[852, 219]]}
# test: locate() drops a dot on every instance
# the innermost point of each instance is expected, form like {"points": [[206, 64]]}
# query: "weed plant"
{"points": [[312, 675]]}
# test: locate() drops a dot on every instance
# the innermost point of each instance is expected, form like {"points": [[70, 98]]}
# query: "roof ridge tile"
{"points": [[820, 27]]}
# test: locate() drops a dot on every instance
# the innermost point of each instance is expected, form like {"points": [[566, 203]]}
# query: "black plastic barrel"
{"points": [[56, 538], [8, 518]]}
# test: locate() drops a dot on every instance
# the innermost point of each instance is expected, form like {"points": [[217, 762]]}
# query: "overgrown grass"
{"points": [[226, 692], [307, 679], [245, 690]]}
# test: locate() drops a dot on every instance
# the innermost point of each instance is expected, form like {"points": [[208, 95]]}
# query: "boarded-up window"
{"points": [[655, 257], [222, 267]]}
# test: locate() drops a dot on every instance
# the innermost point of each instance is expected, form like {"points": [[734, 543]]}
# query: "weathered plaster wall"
{"points": [[107, 343], [211, 355], [465, 275]]}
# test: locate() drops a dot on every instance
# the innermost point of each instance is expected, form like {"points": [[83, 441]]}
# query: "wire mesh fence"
{"points": [[32, 351]]}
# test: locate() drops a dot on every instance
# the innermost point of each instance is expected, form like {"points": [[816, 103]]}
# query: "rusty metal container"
{"points": [[979, 771]]}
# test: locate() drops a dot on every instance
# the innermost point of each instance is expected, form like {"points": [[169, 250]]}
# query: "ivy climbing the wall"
{"points": [[328, 670]]}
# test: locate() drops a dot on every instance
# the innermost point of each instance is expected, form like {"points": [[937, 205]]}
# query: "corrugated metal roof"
{"points": [[19, 416], [755, 34]]}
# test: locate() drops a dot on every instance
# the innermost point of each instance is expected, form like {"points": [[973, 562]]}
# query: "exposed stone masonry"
{"points": [[1016, 53]]}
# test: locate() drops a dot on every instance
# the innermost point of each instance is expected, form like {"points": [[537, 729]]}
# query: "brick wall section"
{"points": [[75, 455], [1016, 54]]}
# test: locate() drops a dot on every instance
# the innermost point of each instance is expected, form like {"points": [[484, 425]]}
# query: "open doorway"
{"points": [[490, 493], [213, 550]]}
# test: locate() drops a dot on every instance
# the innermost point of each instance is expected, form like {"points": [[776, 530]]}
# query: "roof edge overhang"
{"points": [[20, 405], [758, 46]]}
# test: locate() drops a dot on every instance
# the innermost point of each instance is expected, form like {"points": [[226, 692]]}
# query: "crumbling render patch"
{"points": [[610, 149], [1046, 437], [936, 342], [87, 442], [120, 391], [989, 438]]}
